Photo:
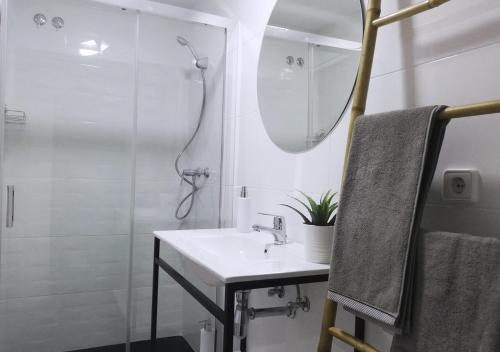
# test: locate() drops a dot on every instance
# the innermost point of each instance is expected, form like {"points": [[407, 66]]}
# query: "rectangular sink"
{"points": [[220, 256]]}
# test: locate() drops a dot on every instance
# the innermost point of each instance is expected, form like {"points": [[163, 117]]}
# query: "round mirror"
{"points": [[307, 69]]}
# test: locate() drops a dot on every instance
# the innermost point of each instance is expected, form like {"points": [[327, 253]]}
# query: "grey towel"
{"points": [[392, 160], [457, 295]]}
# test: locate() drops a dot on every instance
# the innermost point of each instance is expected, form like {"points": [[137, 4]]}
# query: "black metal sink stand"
{"points": [[226, 316]]}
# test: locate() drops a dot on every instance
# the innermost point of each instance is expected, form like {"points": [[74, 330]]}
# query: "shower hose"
{"points": [[190, 176]]}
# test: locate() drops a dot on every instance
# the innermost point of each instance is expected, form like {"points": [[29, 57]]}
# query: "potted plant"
{"points": [[318, 226]]}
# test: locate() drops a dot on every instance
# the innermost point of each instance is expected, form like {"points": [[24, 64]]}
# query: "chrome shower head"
{"points": [[201, 63]]}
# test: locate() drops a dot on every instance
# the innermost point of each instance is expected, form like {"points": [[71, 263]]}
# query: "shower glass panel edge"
{"points": [[170, 94], [133, 182], [3, 61]]}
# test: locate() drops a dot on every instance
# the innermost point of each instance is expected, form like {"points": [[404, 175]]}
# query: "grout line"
{"points": [[464, 206], [73, 293], [434, 60], [272, 189], [10, 237]]}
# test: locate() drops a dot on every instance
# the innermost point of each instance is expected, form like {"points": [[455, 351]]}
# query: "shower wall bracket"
{"points": [[14, 116]]}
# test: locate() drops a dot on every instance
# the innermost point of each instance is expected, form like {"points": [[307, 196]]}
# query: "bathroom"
{"points": [[101, 147]]}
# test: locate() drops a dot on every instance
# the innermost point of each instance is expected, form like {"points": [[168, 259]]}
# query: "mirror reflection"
{"points": [[307, 69]]}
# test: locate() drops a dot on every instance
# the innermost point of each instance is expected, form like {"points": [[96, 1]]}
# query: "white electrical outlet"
{"points": [[460, 185]]}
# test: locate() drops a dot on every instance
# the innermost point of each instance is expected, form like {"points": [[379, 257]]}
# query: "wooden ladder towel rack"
{"points": [[372, 22]]}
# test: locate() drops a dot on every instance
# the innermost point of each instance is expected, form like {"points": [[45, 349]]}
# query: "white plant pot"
{"points": [[318, 243]]}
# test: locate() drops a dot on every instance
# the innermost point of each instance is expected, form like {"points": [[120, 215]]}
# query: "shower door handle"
{"points": [[9, 222]]}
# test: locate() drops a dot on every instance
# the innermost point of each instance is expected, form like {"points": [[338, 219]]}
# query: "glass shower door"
{"points": [[99, 101], [69, 94], [170, 93]]}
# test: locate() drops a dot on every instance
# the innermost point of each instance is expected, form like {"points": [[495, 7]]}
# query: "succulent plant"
{"points": [[320, 214]]}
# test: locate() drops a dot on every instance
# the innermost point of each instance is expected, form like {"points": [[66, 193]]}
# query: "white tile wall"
{"points": [[445, 56]]}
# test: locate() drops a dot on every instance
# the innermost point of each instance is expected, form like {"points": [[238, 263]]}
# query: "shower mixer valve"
{"points": [[194, 174], [199, 172]]}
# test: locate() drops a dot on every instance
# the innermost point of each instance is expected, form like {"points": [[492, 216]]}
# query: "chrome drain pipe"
{"points": [[243, 313], [290, 310]]}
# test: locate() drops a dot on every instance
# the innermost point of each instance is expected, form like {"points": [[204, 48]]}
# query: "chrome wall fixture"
{"points": [[9, 221], [57, 22], [40, 19], [14, 116], [290, 60], [276, 291]]}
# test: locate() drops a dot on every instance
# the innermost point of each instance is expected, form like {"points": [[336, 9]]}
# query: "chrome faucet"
{"points": [[278, 230]]}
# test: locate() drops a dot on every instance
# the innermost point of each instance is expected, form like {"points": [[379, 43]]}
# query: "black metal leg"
{"points": [[154, 305], [359, 330], [243, 345], [227, 345]]}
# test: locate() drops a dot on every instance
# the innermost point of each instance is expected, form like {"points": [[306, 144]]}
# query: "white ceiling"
{"points": [[338, 18], [215, 7], [317, 16]]}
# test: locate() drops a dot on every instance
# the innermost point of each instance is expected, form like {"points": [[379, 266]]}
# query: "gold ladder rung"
{"points": [[408, 12], [351, 340], [482, 108]]}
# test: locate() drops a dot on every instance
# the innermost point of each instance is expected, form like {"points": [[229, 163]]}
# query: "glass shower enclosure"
{"points": [[98, 102]]}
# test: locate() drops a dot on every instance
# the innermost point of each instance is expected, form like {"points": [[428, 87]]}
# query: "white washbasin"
{"points": [[220, 256], [234, 247]]}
